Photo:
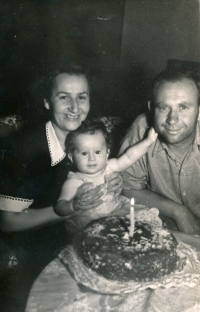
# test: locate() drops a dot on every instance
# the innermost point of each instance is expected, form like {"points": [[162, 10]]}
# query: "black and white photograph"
{"points": [[100, 156]]}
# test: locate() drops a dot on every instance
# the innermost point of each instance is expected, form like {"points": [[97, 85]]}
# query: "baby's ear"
{"points": [[70, 157], [108, 152]]}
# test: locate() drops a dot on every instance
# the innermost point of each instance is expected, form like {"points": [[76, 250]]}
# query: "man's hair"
{"points": [[87, 127], [174, 75]]}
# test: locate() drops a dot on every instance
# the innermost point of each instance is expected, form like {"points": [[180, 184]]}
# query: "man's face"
{"points": [[176, 111]]}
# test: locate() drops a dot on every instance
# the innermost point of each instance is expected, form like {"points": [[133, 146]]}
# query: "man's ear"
{"points": [[199, 114], [46, 104], [70, 157]]}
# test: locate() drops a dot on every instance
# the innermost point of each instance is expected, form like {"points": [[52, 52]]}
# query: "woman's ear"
{"points": [[149, 106], [70, 157], [46, 104]]}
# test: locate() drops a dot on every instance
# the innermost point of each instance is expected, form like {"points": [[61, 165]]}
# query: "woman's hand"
{"points": [[115, 183], [87, 197]]}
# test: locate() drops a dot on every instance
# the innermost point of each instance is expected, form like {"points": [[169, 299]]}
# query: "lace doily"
{"points": [[185, 275]]}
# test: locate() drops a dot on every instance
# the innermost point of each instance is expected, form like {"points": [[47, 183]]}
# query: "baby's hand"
{"points": [[152, 136]]}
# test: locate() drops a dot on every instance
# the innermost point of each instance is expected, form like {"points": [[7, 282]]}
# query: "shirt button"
{"points": [[184, 193]]}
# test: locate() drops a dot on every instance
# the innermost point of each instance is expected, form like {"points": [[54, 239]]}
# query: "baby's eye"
{"points": [[98, 152], [84, 153]]}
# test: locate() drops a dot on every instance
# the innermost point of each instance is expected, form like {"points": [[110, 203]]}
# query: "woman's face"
{"points": [[69, 103]]}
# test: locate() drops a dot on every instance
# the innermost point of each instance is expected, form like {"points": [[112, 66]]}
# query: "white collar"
{"points": [[56, 152]]}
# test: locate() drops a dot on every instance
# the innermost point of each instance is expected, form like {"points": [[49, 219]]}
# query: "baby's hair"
{"points": [[89, 127]]}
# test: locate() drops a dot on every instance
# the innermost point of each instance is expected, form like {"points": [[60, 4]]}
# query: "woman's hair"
{"points": [[173, 75], [71, 69], [87, 127]]}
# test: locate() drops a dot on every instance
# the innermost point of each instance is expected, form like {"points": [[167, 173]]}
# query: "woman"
{"points": [[34, 167]]}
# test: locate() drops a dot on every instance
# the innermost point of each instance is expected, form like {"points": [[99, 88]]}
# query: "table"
{"points": [[55, 290]]}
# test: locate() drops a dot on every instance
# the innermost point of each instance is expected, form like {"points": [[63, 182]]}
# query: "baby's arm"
{"points": [[133, 153], [65, 204]]}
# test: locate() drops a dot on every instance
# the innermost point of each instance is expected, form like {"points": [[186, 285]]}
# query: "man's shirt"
{"points": [[160, 171]]}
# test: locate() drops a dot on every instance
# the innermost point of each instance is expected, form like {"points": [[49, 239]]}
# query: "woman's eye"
{"points": [[64, 98]]}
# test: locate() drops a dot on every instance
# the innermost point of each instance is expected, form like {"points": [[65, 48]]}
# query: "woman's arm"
{"points": [[27, 219]]}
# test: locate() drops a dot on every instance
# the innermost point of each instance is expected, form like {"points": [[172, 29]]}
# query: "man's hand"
{"points": [[187, 222]]}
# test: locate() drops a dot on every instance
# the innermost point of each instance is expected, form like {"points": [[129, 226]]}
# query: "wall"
{"points": [[155, 31], [125, 42], [38, 34]]}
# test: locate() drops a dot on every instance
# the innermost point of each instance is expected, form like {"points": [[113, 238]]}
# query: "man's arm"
{"points": [[185, 220]]}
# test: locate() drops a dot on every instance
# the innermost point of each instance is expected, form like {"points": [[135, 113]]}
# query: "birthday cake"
{"points": [[104, 246]]}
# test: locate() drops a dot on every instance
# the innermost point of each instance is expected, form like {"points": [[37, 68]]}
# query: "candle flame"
{"points": [[132, 201]]}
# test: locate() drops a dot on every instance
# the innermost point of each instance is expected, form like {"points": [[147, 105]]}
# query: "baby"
{"points": [[88, 148]]}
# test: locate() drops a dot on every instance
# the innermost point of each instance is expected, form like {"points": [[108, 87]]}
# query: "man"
{"points": [[168, 176]]}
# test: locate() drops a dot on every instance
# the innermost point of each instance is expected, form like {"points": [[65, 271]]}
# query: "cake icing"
{"points": [[105, 247]]}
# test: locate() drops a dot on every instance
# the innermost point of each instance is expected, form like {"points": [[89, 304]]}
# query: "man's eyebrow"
{"points": [[186, 103], [160, 103], [181, 103]]}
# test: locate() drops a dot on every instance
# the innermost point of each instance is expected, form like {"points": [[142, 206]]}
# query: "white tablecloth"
{"points": [[56, 290]]}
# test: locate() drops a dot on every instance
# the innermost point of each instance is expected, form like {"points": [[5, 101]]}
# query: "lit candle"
{"points": [[132, 221]]}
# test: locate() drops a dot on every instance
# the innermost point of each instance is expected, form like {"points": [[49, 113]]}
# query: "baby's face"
{"points": [[90, 155]]}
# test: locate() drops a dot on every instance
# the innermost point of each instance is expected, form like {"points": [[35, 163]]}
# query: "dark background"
{"points": [[126, 43]]}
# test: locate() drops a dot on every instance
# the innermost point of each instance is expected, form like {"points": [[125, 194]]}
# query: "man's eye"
{"points": [[163, 108], [183, 107], [98, 152]]}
